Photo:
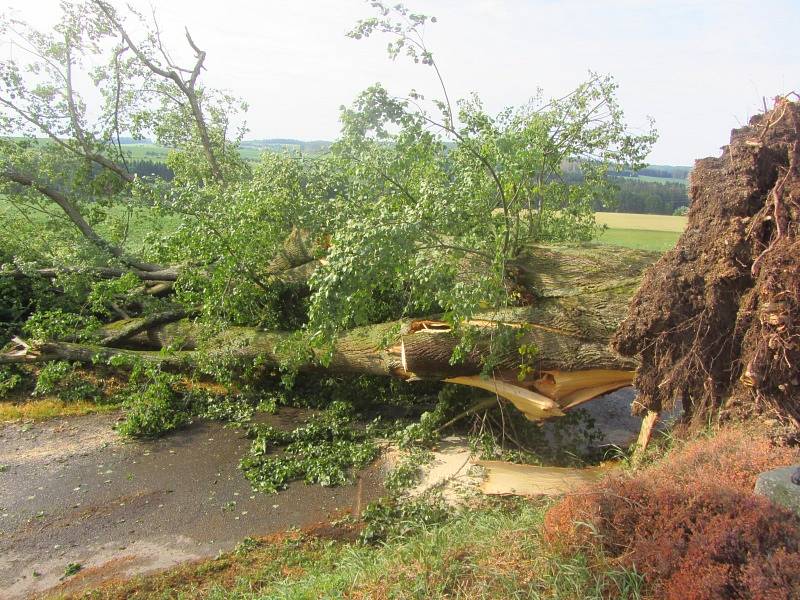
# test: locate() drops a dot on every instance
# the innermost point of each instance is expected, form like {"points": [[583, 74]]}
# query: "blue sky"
{"points": [[699, 68]]}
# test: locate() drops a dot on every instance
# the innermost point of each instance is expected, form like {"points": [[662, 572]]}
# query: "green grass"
{"points": [[145, 152], [141, 222], [490, 552], [642, 232], [639, 239]]}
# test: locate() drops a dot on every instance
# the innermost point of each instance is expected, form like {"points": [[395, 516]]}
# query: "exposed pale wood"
{"points": [[535, 406], [561, 385], [504, 479], [590, 393], [645, 433]]}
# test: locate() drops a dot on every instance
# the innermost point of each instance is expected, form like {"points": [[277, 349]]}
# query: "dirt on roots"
{"points": [[716, 321]]}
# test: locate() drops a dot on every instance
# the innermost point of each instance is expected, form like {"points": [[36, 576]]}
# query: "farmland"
{"points": [[652, 179], [644, 232], [629, 230]]}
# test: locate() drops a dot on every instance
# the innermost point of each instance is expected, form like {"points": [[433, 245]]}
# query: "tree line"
{"points": [[631, 196], [648, 197]]}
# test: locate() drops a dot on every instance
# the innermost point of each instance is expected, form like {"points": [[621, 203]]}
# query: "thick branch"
{"points": [[77, 219], [83, 152], [169, 274], [132, 327], [186, 87]]}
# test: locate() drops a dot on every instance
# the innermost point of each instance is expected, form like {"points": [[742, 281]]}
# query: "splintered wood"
{"points": [[645, 433], [555, 391], [535, 406], [503, 478]]}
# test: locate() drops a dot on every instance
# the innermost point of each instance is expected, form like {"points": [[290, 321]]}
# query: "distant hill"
{"points": [[656, 189]]}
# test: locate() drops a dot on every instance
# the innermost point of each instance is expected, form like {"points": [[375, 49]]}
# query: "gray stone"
{"points": [[777, 485]]}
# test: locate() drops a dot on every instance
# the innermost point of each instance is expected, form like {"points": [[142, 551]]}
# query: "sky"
{"points": [[699, 68]]}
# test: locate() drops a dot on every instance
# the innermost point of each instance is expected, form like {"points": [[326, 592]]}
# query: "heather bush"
{"points": [[690, 524]]}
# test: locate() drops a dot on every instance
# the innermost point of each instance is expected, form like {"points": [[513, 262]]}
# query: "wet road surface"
{"points": [[73, 491]]}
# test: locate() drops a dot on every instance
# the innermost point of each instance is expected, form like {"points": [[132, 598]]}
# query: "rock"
{"points": [[777, 485]]}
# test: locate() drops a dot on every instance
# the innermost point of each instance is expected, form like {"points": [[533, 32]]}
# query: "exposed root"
{"points": [[716, 322]]}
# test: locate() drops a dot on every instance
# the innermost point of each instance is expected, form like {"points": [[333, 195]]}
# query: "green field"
{"points": [[640, 239], [651, 179], [158, 153], [249, 150], [645, 232]]}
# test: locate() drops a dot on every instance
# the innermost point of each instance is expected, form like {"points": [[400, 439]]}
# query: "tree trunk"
{"points": [[575, 299]]}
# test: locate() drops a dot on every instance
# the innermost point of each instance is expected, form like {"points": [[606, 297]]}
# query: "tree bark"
{"points": [[74, 215], [575, 299], [167, 274]]}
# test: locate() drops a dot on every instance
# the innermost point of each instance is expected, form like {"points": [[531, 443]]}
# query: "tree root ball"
{"points": [[716, 321]]}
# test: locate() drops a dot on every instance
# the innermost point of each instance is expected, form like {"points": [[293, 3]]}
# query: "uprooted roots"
{"points": [[716, 321]]}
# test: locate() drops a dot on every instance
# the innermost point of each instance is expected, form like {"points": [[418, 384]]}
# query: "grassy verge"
{"points": [[492, 552], [36, 394], [47, 408]]}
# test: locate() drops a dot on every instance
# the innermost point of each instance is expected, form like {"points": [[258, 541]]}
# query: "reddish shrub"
{"points": [[733, 458], [691, 524], [743, 537], [775, 579]]}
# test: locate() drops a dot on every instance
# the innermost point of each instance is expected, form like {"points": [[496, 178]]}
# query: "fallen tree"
{"points": [[577, 296], [413, 249]]}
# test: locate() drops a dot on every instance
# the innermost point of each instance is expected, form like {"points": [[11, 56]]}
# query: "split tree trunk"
{"points": [[575, 299]]}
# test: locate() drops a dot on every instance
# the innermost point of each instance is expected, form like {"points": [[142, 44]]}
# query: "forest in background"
{"points": [[657, 189]]}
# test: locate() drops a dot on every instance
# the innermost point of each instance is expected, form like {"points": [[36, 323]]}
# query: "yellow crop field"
{"points": [[642, 222]]}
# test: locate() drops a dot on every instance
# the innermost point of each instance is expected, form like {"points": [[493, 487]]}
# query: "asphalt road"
{"points": [[73, 491]]}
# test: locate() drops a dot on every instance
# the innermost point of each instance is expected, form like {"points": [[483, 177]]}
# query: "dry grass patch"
{"points": [[46, 408]]}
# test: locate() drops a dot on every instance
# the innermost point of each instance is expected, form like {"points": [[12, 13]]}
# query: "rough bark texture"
{"points": [[717, 320], [575, 299]]}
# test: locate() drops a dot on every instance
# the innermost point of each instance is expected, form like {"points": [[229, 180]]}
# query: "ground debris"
{"points": [[505, 478]]}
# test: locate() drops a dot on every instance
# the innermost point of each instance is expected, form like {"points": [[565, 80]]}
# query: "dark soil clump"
{"points": [[716, 321]]}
